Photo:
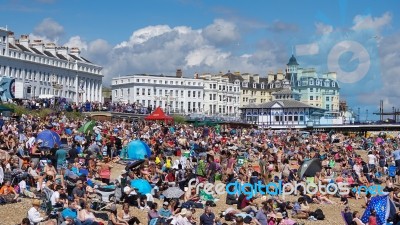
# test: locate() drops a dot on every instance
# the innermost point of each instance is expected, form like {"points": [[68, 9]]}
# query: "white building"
{"points": [[175, 94], [49, 70], [221, 97]]}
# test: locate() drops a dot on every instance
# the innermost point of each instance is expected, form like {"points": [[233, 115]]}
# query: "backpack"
{"points": [[319, 215]]}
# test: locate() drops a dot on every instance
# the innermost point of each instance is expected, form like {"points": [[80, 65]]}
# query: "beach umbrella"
{"points": [[134, 164], [142, 186], [310, 168], [49, 139], [87, 127], [173, 192], [138, 150]]}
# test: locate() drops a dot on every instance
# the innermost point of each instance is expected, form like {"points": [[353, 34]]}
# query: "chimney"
{"points": [[11, 38], [279, 75], [51, 47], [75, 51], [270, 77], [24, 41], [38, 44], [62, 50], [179, 73], [256, 78]]}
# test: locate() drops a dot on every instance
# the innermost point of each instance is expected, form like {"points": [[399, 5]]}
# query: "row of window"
{"points": [[191, 106], [149, 92], [327, 83], [222, 109], [156, 81], [213, 97], [223, 87], [33, 75], [50, 61], [327, 98]]}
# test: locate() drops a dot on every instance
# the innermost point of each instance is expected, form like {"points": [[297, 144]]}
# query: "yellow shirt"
{"points": [[158, 160], [168, 164]]}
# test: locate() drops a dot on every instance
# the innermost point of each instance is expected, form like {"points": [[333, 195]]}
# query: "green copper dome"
{"points": [[292, 61]]}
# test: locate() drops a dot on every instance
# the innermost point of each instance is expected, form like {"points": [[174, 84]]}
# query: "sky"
{"points": [[359, 39]]}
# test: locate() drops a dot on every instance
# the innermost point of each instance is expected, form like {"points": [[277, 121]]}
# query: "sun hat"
{"points": [[36, 202], [183, 212]]}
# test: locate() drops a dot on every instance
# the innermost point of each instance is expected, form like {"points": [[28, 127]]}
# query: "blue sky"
{"points": [[359, 39]]}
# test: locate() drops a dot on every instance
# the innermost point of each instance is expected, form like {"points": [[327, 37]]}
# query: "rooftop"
{"points": [[284, 103]]}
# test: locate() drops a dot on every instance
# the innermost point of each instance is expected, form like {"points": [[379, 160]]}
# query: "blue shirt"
{"points": [[261, 217], [72, 213], [207, 219], [396, 154], [165, 212]]}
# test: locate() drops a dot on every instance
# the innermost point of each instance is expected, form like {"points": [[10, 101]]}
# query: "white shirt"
{"points": [[129, 191], [183, 221], [22, 185], [371, 159], [54, 197], [34, 216]]}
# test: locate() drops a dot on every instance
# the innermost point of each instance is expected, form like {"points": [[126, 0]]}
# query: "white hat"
{"points": [[183, 212]]}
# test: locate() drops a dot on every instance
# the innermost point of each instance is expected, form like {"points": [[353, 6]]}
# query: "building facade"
{"points": [[283, 111], [221, 97], [49, 70], [320, 90], [175, 94]]}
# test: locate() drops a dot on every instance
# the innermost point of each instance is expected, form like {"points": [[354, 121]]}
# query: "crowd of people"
{"points": [[63, 104], [63, 180]]}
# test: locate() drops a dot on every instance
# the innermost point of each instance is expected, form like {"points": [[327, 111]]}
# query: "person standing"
{"points": [[61, 156], [212, 169], [396, 157]]}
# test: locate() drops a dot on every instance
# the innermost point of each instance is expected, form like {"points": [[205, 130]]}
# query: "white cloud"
{"points": [[369, 22], [43, 38], [144, 34], [163, 49], [206, 55], [76, 41], [307, 49], [49, 28], [221, 32], [323, 29]]}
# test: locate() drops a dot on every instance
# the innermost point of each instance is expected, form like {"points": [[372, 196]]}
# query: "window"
{"points": [[160, 92], [331, 98], [143, 91], [317, 97], [333, 84], [181, 93], [311, 82], [311, 89], [198, 94], [311, 98], [211, 97], [219, 87], [148, 91], [327, 106], [254, 85], [189, 95], [327, 99]]}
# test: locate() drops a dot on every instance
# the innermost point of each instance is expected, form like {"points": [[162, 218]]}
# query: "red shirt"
{"points": [[372, 220], [245, 202]]}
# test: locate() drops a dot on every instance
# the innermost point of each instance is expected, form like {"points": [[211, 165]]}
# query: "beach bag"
{"points": [[319, 215]]}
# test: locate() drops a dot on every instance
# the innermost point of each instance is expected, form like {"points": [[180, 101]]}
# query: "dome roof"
{"points": [[292, 61]]}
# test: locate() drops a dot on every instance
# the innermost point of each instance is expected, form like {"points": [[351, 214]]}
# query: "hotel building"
{"points": [[47, 70]]}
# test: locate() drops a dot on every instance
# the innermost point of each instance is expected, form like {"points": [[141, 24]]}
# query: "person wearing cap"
{"points": [[33, 213], [165, 211]]}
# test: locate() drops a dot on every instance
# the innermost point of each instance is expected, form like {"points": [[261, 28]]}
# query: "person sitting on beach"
{"points": [[7, 191], [301, 209], [321, 199]]}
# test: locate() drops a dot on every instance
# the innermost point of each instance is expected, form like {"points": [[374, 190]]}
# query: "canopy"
{"points": [[310, 168], [136, 150], [49, 139], [384, 207], [142, 186], [87, 127], [158, 114]]}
